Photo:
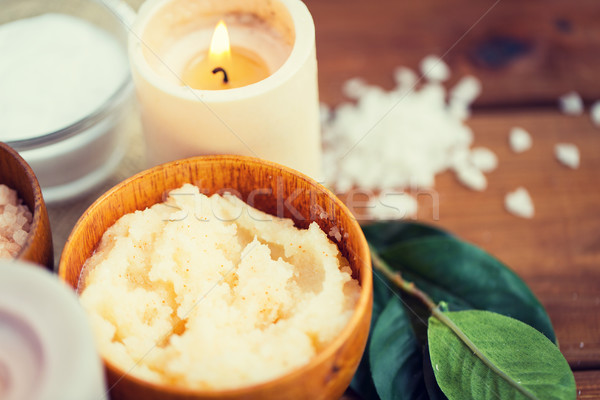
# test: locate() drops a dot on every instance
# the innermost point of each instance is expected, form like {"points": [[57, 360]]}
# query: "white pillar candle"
{"points": [[276, 118], [47, 350]]}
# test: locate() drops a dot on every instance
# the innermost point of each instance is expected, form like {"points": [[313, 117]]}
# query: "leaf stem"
{"points": [[396, 278], [410, 288]]}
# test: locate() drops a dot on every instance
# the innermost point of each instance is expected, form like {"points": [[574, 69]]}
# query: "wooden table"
{"points": [[527, 54]]}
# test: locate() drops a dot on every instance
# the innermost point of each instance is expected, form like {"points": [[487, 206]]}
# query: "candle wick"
{"points": [[225, 77]]}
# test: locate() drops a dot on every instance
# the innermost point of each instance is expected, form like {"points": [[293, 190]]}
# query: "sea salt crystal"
{"points": [[334, 232], [519, 203], [471, 177], [519, 140], [392, 205], [483, 159], [405, 78], [567, 154], [595, 113], [571, 104], [57, 69], [15, 220], [355, 88], [434, 69], [466, 90]]}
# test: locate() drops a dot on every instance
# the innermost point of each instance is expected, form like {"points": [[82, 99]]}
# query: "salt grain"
{"points": [[595, 113], [567, 154], [392, 205], [519, 140], [571, 104], [15, 220], [519, 203], [471, 177], [334, 233], [405, 78], [483, 159], [466, 90], [434, 69]]}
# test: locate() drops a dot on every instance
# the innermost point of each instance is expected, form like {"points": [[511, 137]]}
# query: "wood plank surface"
{"points": [[525, 52]]}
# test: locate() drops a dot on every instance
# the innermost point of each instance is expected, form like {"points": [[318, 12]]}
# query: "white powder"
{"points": [[567, 154], [55, 70], [404, 137], [595, 113], [519, 203], [571, 104], [519, 140]]}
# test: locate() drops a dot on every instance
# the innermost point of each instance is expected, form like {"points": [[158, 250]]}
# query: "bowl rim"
{"points": [[38, 199], [124, 15], [363, 305]]}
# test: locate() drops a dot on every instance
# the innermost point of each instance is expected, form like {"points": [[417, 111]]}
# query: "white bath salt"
{"points": [[483, 159], [519, 203], [15, 222], [400, 138], [595, 113], [466, 90], [226, 297], [471, 176], [571, 104], [434, 69], [55, 69], [392, 205], [324, 113], [355, 88], [519, 140], [567, 154], [405, 78]]}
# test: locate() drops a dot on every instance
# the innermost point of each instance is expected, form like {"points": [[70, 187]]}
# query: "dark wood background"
{"points": [[527, 54]]}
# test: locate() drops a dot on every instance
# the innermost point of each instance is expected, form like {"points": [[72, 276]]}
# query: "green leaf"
{"points": [[381, 235], [507, 359], [395, 356], [461, 274], [362, 382]]}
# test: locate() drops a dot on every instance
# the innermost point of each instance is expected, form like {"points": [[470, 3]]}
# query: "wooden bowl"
{"points": [[18, 175], [288, 194]]}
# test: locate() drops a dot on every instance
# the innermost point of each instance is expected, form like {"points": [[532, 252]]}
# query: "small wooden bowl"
{"points": [[18, 175], [284, 192]]}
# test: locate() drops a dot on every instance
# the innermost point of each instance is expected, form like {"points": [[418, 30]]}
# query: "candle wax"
{"points": [[243, 67]]}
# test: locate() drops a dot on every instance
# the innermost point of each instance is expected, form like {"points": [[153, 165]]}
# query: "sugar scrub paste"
{"points": [[209, 293]]}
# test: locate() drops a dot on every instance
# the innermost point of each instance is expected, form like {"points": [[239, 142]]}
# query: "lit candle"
{"points": [[266, 107], [224, 67]]}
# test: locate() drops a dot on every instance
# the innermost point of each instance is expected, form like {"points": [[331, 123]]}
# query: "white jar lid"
{"points": [[46, 347]]}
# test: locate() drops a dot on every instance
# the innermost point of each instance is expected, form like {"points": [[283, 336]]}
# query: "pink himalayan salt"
{"points": [[15, 222]]}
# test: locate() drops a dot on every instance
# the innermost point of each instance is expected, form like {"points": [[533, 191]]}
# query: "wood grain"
{"points": [[273, 189], [18, 175], [525, 53]]}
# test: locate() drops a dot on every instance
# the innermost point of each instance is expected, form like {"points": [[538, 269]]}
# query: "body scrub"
{"points": [[210, 293]]}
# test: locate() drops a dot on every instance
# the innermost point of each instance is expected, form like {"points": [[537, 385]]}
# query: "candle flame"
{"points": [[219, 45]]}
